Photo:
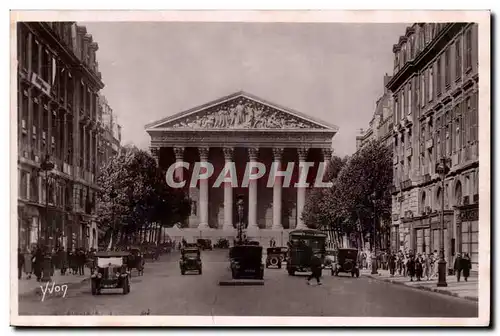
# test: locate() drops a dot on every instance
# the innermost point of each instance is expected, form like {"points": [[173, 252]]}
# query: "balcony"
{"points": [[406, 184], [429, 144]]}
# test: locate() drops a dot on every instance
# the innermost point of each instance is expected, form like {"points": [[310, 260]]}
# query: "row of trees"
{"points": [[134, 194], [359, 199]]}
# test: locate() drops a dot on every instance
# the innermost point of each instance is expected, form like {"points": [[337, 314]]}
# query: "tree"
{"points": [[364, 186], [142, 195]]}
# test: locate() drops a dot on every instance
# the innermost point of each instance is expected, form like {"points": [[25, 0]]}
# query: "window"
{"points": [[34, 188], [46, 65], [70, 90], [438, 74], [422, 89], [35, 51], [25, 36], [82, 96], [421, 39], [447, 68], [403, 105], [467, 115], [23, 185], [431, 86], [458, 60], [468, 49], [81, 198], [448, 133], [457, 131], [474, 119], [409, 100]]}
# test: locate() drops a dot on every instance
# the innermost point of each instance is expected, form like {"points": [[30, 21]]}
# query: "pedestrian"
{"points": [[392, 264], [457, 266], [410, 267], [427, 266], [37, 261], [466, 265], [28, 265], [20, 263], [435, 265], [315, 269], [418, 268], [364, 259]]}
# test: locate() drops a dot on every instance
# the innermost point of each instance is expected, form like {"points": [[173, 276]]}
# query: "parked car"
{"points": [[274, 257], [204, 244]]}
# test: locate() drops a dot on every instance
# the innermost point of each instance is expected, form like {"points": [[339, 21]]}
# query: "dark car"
{"points": [[136, 260], [347, 262], [274, 257], [190, 260], [110, 272], [246, 261], [222, 243], [204, 244]]}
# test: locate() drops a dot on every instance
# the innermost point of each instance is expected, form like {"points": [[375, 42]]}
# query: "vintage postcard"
{"points": [[250, 168]]}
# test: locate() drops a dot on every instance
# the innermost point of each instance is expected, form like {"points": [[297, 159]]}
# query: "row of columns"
{"points": [[252, 188]]}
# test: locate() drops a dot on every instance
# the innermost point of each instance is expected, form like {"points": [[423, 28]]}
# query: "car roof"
{"points": [[110, 254]]}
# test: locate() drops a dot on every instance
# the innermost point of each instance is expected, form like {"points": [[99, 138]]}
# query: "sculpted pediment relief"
{"points": [[241, 113]]}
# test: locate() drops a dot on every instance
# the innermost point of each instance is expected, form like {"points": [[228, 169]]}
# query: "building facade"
{"points": [[59, 121], [110, 141], [242, 128], [435, 92], [381, 126]]}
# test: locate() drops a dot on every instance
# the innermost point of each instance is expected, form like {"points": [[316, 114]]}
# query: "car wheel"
{"points": [[352, 274], [199, 271], [357, 273], [93, 288], [291, 271], [279, 265], [183, 272], [267, 265]]}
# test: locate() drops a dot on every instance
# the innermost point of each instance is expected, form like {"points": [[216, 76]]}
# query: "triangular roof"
{"points": [[251, 112]]}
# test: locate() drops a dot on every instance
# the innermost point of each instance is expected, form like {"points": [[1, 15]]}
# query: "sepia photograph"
{"points": [[211, 168]]}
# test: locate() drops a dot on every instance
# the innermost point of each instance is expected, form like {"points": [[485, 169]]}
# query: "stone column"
{"points": [[228, 193], [301, 192], [203, 193], [155, 152], [252, 194], [179, 157], [278, 154], [327, 157]]}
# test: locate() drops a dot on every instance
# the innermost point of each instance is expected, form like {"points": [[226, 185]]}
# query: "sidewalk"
{"points": [[466, 290], [27, 286]]}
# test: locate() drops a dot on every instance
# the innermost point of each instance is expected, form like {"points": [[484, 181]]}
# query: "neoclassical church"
{"points": [[242, 128]]}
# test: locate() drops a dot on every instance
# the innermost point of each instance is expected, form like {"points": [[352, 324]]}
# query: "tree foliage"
{"points": [[142, 196], [360, 194]]}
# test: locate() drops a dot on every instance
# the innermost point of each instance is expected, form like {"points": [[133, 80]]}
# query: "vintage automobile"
{"points": [[246, 262], [222, 243], [136, 260], [111, 272], [347, 262], [274, 257], [204, 244], [302, 245], [190, 260]]}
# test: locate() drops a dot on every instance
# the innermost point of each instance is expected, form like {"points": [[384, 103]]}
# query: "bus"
{"points": [[302, 245]]}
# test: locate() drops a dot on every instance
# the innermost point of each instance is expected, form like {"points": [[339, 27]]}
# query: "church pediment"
{"points": [[240, 111]]}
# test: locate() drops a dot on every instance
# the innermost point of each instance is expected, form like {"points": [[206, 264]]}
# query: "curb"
{"points": [[241, 283], [426, 288]]}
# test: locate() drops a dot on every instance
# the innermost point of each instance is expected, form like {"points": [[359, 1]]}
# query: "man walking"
{"points": [[457, 267], [315, 269]]}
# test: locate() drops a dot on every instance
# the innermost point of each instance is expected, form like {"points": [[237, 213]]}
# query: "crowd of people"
{"points": [[69, 261], [420, 266]]}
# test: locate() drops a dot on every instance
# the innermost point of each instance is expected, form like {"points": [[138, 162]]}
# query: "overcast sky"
{"points": [[330, 71]]}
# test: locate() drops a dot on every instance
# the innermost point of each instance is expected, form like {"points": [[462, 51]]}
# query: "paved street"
{"points": [[164, 291]]}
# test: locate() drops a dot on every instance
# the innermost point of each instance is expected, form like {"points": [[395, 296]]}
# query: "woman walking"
{"points": [[466, 265], [28, 264]]}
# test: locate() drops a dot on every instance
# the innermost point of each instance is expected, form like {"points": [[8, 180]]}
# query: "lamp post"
{"points": [[46, 166], [112, 195], [374, 247], [240, 208], [442, 169]]}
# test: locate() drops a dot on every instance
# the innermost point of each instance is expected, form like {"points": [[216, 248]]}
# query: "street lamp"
{"points": [[46, 166], [112, 195], [442, 169], [374, 247], [240, 209]]}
